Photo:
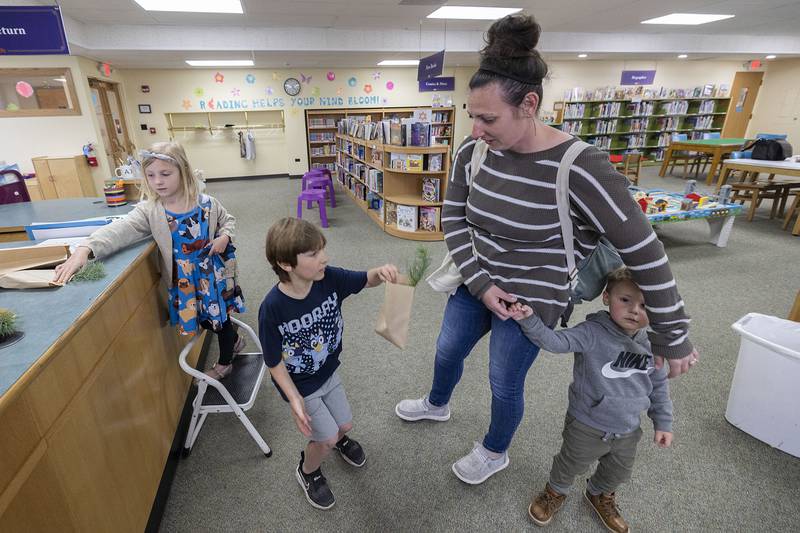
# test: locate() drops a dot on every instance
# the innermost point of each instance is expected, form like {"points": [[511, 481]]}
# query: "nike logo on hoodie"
{"points": [[626, 364]]}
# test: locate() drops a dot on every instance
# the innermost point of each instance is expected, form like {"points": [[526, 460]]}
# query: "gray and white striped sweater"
{"points": [[511, 212]]}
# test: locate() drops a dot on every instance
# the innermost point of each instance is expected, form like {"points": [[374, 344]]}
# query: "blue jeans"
{"points": [[511, 354]]}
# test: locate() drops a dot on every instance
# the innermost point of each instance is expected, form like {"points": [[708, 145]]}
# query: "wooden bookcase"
{"points": [[645, 125], [364, 171], [321, 137]]}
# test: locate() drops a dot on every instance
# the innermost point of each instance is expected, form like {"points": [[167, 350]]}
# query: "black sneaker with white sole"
{"points": [[315, 486], [351, 451]]}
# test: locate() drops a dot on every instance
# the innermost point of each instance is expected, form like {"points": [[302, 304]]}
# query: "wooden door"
{"points": [[65, 178], [743, 97], [41, 166], [110, 114]]}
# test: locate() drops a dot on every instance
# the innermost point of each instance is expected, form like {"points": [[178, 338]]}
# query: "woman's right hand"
{"points": [[68, 268], [497, 301]]}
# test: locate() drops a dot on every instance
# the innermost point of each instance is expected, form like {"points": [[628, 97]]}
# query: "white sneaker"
{"points": [[476, 467], [413, 410]]}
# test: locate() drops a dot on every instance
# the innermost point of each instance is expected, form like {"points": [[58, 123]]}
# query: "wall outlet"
{"points": [[296, 159]]}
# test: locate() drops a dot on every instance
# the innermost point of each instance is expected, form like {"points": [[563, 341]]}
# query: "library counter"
{"points": [[90, 399]]}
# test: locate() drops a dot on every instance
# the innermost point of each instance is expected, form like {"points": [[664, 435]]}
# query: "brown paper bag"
{"points": [[29, 279], [395, 314], [23, 257]]}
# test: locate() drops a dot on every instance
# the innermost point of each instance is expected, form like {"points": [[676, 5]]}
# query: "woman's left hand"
{"points": [[219, 244], [679, 366]]}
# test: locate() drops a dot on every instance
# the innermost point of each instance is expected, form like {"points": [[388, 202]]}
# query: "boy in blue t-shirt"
{"points": [[300, 325]]}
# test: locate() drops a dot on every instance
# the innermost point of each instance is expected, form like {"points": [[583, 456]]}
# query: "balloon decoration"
{"points": [[24, 89]]}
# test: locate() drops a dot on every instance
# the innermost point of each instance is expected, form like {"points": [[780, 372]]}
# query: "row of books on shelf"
{"points": [[325, 149], [412, 218], [416, 162], [440, 116], [605, 126], [329, 166], [412, 131], [325, 122], [676, 107], [321, 136], [700, 123], [709, 90]]}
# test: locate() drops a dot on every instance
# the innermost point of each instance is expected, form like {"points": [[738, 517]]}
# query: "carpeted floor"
{"points": [[714, 478]]}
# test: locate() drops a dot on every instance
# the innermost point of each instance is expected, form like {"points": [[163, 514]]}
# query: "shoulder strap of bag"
{"points": [[478, 157], [562, 202]]}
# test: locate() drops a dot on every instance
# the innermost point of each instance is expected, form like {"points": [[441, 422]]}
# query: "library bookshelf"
{"points": [[643, 125], [390, 183]]}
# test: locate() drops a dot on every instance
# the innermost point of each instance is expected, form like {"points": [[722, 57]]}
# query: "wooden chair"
{"points": [[794, 210], [689, 159], [632, 166]]}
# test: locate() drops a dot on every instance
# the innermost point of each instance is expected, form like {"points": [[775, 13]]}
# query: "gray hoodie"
{"points": [[613, 377]]}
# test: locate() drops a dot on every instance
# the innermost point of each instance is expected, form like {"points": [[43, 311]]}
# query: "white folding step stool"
{"points": [[235, 393]]}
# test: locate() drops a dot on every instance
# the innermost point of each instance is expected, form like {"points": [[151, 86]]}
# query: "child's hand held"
{"points": [[218, 245], [388, 273], [663, 439]]}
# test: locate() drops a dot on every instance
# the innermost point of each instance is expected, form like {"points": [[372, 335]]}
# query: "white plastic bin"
{"points": [[765, 393]]}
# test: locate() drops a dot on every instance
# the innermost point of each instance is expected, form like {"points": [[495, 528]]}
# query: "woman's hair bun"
{"points": [[512, 36]]}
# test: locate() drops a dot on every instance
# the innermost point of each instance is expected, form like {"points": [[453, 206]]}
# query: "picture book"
{"points": [[413, 162], [430, 189], [429, 218], [407, 217], [390, 213], [435, 162]]}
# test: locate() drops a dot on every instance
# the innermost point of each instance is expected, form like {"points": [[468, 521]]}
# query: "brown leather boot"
{"points": [[545, 505], [606, 508]]}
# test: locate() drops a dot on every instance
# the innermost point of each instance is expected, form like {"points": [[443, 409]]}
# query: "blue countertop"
{"points": [[22, 214], [46, 314]]}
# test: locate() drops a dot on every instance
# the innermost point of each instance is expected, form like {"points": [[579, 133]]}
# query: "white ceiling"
{"points": [[358, 33]]}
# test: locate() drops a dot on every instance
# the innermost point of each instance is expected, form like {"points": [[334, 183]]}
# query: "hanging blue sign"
{"points": [[32, 30], [446, 83], [638, 77], [430, 66]]}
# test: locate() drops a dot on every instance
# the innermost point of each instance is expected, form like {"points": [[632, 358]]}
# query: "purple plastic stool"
{"points": [[322, 183], [313, 195], [315, 173]]}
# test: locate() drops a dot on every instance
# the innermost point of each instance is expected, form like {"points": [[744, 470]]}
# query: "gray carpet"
{"points": [[714, 478]]}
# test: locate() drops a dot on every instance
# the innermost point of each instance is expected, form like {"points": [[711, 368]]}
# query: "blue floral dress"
{"points": [[202, 295]]}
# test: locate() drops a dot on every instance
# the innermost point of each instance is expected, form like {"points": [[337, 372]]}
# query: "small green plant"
{"points": [[8, 322], [417, 267], [91, 271]]}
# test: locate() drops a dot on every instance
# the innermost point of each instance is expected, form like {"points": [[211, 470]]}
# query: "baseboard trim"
{"points": [[260, 177]]}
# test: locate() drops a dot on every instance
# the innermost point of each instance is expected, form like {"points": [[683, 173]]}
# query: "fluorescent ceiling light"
{"points": [[771, 56], [398, 62], [682, 56], [193, 6], [220, 62], [687, 19], [583, 55], [473, 13]]}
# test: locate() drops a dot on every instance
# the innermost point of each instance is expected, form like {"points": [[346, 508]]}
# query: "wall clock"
{"points": [[292, 86]]}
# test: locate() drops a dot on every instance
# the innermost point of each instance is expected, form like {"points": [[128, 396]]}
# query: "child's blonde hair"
{"points": [[171, 152], [289, 237], [617, 276]]}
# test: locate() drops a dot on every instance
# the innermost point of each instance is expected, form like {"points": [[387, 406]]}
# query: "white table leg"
{"points": [[720, 228]]}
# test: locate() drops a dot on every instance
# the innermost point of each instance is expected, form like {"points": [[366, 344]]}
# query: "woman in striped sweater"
{"points": [[504, 234]]}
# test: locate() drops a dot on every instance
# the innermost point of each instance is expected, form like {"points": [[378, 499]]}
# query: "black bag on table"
{"points": [[771, 149]]}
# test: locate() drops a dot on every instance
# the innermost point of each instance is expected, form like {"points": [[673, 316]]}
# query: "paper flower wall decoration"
{"points": [[186, 104], [219, 78], [389, 85], [269, 91], [376, 75], [367, 88], [352, 81], [235, 92], [199, 92], [250, 79], [331, 76]]}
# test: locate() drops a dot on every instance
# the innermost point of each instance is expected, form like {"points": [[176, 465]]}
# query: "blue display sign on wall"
{"points": [[638, 77], [446, 83], [32, 30], [431, 66]]}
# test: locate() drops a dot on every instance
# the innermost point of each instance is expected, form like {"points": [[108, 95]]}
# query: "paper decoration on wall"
{"points": [[235, 92], [315, 91], [269, 91], [250, 78], [199, 92], [24, 89], [384, 100], [186, 104], [339, 91], [367, 88], [294, 111], [274, 76], [331, 75], [305, 79], [389, 85], [12, 107], [352, 81], [376, 75], [219, 78]]}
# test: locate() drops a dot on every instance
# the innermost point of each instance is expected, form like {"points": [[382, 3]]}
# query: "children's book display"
{"points": [[407, 219], [430, 189]]}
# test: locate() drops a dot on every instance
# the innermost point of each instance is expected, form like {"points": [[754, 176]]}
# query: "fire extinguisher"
{"points": [[89, 154]]}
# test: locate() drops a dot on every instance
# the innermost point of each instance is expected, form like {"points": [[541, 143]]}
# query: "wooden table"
{"points": [[757, 166], [719, 218], [716, 148]]}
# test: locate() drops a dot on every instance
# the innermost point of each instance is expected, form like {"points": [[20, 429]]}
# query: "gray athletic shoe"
{"points": [[413, 410], [476, 467]]}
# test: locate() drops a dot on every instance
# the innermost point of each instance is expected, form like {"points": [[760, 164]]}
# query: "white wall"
{"points": [[27, 137], [777, 108]]}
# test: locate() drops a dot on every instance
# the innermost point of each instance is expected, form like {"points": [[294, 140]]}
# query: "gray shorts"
{"points": [[328, 408]]}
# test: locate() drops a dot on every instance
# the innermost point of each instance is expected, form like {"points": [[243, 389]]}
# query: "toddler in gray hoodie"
{"points": [[614, 380]]}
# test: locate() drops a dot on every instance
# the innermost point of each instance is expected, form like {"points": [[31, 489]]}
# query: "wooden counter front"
{"points": [[88, 427]]}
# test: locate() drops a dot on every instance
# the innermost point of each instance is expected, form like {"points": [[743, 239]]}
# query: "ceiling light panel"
{"points": [[687, 19], [398, 62], [473, 13], [193, 6], [220, 62]]}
